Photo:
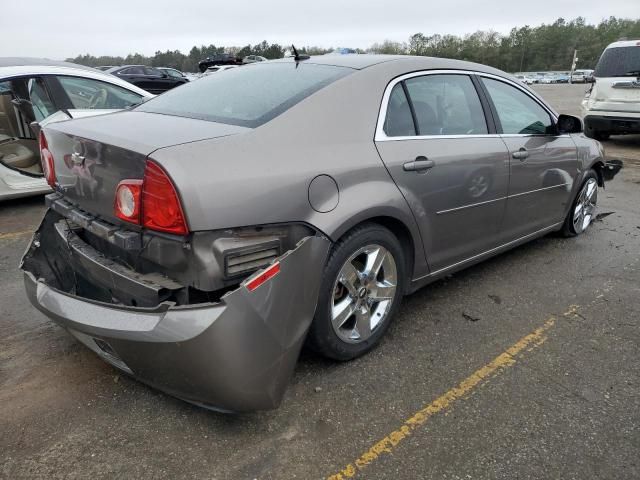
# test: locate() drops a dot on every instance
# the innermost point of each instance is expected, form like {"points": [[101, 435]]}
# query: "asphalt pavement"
{"points": [[525, 366]]}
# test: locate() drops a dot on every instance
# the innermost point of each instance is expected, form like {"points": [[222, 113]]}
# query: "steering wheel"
{"points": [[98, 99]]}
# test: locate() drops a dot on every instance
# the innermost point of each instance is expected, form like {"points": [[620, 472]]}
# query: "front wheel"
{"points": [[583, 210], [361, 290]]}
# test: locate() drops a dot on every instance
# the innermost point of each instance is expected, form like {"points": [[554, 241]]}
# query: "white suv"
{"points": [[612, 106]]}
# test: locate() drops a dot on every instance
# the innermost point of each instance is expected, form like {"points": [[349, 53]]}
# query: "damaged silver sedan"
{"points": [[198, 240]]}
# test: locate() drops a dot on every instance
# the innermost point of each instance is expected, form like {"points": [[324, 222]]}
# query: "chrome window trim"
{"points": [[381, 136]]}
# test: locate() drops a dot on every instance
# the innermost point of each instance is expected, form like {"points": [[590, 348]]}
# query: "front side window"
{"points": [[132, 71], [446, 105], [247, 96], [87, 93], [152, 72], [517, 112], [172, 73]]}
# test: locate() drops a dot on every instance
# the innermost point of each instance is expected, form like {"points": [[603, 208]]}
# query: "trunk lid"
{"points": [[92, 155]]}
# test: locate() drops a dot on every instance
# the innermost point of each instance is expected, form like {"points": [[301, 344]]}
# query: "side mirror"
{"points": [[569, 124]]}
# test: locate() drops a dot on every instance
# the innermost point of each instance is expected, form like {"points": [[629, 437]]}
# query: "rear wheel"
{"points": [[583, 210], [361, 290]]}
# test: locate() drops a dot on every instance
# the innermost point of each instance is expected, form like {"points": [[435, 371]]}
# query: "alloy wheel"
{"points": [[584, 211], [363, 293]]}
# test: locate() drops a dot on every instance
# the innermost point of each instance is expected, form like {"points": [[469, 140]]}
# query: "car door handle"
{"points": [[520, 154], [420, 164]]}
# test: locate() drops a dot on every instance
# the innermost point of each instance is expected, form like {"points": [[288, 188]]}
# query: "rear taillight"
{"points": [[151, 202], [46, 158], [161, 209]]}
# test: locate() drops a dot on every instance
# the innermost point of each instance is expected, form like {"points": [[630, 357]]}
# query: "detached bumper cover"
{"points": [[234, 355]]}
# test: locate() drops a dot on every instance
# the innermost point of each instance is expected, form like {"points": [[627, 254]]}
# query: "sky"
{"points": [[59, 29]]}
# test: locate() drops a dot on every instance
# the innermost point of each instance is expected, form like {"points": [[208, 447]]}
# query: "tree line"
{"points": [[541, 48]]}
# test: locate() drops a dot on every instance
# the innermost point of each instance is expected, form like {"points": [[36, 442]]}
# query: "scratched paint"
{"points": [[444, 402]]}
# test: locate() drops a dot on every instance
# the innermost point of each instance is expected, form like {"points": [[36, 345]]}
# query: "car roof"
{"points": [[624, 43], [40, 62], [68, 69], [362, 61], [120, 67]]}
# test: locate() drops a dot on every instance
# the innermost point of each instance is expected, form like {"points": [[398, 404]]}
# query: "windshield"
{"points": [[247, 96], [619, 62]]}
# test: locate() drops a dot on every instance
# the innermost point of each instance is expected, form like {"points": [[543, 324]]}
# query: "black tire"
{"points": [[568, 229], [322, 337]]}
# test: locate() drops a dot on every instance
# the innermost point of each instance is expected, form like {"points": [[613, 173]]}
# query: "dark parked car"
{"points": [[220, 59], [198, 240], [148, 78]]}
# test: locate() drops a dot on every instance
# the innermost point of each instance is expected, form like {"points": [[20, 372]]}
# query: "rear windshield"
{"points": [[247, 96], [619, 62]]}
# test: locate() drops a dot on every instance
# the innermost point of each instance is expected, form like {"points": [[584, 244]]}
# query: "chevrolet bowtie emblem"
{"points": [[77, 159]]}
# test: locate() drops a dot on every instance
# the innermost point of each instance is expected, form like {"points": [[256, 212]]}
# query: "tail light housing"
{"points": [[46, 159], [152, 202]]}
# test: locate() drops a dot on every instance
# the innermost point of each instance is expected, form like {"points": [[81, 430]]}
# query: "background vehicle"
{"points": [[150, 79], [253, 59], [246, 241], [173, 73], [578, 76], [612, 106], [219, 59], [103, 68], [32, 90], [525, 79], [218, 68]]}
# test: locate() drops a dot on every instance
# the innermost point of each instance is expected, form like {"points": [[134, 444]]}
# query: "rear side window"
{"points": [[446, 105], [398, 122], [247, 96], [89, 93], [619, 62], [517, 112]]}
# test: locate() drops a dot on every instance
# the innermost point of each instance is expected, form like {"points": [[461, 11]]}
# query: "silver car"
{"points": [[33, 89], [200, 239]]}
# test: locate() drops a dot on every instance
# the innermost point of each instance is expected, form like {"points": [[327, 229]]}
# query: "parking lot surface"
{"points": [[525, 366]]}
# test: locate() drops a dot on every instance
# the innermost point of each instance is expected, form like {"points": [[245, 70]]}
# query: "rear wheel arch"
{"points": [[400, 230], [598, 167]]}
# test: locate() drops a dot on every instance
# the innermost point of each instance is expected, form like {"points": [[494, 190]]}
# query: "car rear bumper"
{"points": [[237, 354], [614, 125]]}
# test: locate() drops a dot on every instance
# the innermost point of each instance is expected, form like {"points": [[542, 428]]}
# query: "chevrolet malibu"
{"points": [[198, 240]]}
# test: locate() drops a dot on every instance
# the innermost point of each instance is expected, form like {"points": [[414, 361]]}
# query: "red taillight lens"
{"points": [[262, 277], [46, 158], [151, 202], [161, 209], [128, 200]]}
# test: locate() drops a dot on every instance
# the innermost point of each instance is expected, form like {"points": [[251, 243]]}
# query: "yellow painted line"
{"points": [[445, 401], [6, 236]]}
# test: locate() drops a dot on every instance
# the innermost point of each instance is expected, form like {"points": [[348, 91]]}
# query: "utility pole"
{"points": [[524, 47], [573, 65]]}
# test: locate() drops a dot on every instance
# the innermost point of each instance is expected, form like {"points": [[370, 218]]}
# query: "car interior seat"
{"points": [[8, 120], [15, 155]]}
